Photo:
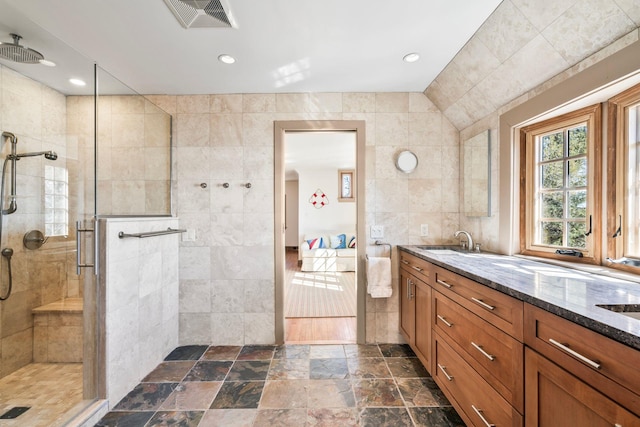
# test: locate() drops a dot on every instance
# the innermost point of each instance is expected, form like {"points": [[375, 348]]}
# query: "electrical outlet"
{"points": [[377, 231], [424, 230]]}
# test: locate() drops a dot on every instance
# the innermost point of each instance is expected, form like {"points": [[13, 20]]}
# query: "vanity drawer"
{"points": [[496, 356], [476, 401], [420, 268], [499, 309], [606, 365]]}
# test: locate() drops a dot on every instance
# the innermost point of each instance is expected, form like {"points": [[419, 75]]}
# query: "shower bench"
{"points": [[57, 332]]}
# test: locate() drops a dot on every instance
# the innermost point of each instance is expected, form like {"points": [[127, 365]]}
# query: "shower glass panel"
{"points": [[133, 152], [50, 330], [48, 321]]}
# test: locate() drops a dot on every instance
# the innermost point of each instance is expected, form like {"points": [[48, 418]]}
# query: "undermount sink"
{"points": [[629, 310], [442, 249]]}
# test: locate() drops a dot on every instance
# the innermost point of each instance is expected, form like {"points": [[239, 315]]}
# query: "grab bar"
{"points": [[169, 230]]}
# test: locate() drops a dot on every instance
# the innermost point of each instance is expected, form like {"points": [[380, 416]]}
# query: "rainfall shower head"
{"points": [[50, 155], [17, 53]]}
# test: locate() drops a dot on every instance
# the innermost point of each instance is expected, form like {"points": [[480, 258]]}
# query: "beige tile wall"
{"points": [[226, 274], [141, 291], [524, 44], [36, 114], [523, 49]]}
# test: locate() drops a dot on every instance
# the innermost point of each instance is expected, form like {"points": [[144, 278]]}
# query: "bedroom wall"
{"points": [[291, 209], [335, 217]]}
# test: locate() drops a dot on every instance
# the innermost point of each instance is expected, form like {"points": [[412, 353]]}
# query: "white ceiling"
{"points": [[280, 45]]}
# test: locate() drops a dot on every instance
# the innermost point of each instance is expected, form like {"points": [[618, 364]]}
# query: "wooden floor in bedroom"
{"points": [[320, 330], [317, 330]]}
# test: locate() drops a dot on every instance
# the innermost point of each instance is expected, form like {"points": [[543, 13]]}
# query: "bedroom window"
{"points": [[346, 185], [559, 191]]}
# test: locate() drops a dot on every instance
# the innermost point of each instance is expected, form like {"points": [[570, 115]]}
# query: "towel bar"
{"points": [[380, 243], [169, 230]]}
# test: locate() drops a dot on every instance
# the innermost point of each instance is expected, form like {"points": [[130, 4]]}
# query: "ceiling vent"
{"points": [[202, 13]]}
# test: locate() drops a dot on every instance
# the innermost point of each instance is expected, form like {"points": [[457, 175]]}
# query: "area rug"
{"points": [[316, 294]]}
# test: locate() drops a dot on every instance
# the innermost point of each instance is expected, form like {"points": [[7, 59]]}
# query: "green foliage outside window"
{"points": [[562, 192]]}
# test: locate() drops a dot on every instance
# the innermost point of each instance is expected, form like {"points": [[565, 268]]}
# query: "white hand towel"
{"points": [[379, 277]]}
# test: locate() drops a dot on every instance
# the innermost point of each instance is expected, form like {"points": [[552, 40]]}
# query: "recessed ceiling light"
{"points": [[227, 59], [47, 63], [77, 82], [411, 57]]}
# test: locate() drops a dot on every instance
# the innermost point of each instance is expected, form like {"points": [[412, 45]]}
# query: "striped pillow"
{"points": [[352, 242]]}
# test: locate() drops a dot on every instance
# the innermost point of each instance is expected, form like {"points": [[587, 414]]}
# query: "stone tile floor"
{"points": [[293, 385]]}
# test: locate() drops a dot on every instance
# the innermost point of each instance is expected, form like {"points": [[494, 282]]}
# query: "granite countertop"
{"points": [[569, 293]]}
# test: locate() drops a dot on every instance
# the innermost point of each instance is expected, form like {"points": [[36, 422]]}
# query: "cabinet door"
{"points": [[407, 306], [423, 323], [554, 397]]}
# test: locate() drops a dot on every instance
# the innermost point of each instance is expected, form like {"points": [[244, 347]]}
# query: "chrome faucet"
{"points": [[468, 235]]}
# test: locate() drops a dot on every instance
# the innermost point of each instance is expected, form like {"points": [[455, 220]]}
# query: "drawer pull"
{"points": [[445, 321], [482, 303], [484, 420], [566, 349], [445, 284], [405, 262], [416, 268], [484, 353], [444, 371], [409, 293]]}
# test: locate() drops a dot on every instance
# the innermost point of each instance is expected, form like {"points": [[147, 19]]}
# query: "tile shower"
{"points": [[44, 321]]}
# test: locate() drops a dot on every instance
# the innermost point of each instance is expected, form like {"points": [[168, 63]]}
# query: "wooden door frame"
{"points": [[280, 128]]}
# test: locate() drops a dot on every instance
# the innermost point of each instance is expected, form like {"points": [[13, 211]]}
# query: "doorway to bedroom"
{"points": [[319, 241]]}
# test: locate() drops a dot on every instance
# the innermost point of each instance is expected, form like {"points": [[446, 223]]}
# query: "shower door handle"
{"points": [[79, 230]]}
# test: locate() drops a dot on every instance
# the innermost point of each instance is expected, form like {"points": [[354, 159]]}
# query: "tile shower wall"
{"points": [[141, 290], [226, 273], [133, 158], [523, 49], [36, 114]]}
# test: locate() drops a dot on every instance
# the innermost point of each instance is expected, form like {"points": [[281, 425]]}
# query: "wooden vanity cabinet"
{"points": [[476, 401], [554, 397], [494, 354], [415, 306], [569, 366], [477, 333], [506, 363], [501, 310]]}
